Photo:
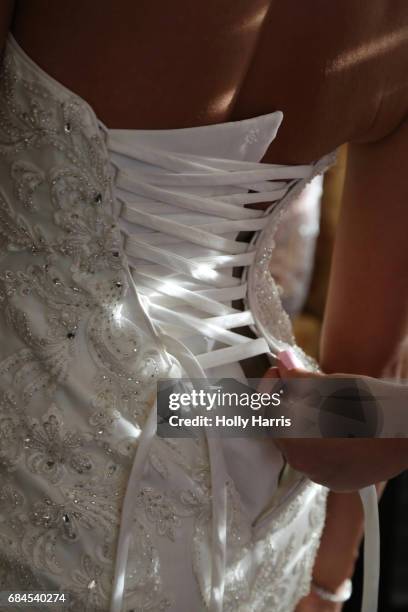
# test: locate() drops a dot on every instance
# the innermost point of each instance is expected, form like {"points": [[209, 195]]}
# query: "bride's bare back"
{"points": [[336, 69]]}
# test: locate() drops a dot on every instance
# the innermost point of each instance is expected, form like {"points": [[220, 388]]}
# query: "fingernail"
{"points": [[289, 360]]}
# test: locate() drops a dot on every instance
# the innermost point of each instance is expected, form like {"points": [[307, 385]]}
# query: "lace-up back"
{"points": [[181, 215], [116, 256]]}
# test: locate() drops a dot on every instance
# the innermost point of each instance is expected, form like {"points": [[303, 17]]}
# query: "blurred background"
{"points": [[301, 266]]}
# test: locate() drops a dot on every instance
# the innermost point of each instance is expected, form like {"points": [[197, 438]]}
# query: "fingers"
{"points": [[266, 384], [284, 372], [272, 373]]}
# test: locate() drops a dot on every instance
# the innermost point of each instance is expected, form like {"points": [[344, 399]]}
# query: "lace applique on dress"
{"points": [[78, 372], [62, 284]]}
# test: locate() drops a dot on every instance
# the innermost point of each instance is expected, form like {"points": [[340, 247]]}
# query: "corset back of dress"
{"points": [[79, 362]]}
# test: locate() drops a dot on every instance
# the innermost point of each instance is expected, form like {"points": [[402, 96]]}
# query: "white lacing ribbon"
{"points": [[371, 581], [206, 288], [206, 284], [209, 290], [219, 480]]}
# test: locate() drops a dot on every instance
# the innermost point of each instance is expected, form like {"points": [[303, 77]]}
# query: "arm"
{"points": [[365, 319], [367, 306], [366, 313], [342, 464]]}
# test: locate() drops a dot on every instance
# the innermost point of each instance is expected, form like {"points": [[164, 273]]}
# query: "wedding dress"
{"points": [[116, 257], [294, 251]]}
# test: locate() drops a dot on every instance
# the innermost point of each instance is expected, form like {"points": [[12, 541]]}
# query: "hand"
{"points": [[313, 603], [339, 463]]}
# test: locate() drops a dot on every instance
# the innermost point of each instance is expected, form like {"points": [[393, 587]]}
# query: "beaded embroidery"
{"points": [[77, 376]]}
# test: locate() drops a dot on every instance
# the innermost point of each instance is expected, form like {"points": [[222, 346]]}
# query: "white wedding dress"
{"points": [[116, 257]]}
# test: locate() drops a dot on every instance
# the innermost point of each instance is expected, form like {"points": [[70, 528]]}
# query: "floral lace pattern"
{"points": [[78, 370]]}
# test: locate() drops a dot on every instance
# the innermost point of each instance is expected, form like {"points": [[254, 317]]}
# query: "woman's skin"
{"points": [[334, 462], [336, 69]]}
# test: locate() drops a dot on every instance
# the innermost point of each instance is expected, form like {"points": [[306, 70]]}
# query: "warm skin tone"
{"points": [[338, 72], [342, 465], [336, 463]]}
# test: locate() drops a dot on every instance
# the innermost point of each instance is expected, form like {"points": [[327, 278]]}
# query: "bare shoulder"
{"points": [[338, 71], [385, 52]]}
